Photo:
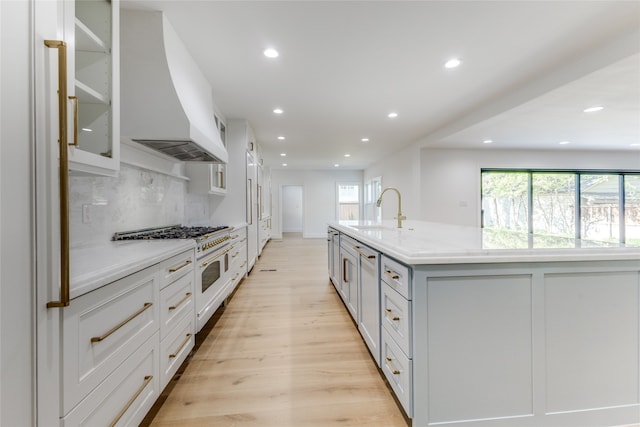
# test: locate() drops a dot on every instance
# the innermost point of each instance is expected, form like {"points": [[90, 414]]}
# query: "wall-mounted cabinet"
{"points": [[93, 81], [209, 178]]}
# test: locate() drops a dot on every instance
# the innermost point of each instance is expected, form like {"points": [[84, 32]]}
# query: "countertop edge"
{"points": [[487, 256]]}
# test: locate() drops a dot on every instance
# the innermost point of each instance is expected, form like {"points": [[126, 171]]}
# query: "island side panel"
{"points": [[545, 323]]}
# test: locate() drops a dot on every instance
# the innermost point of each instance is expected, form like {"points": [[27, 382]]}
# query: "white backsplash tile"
{"points": [[137, 198]]}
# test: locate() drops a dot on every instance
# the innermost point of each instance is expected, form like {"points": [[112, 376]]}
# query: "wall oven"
{"points": [[212, 282]]}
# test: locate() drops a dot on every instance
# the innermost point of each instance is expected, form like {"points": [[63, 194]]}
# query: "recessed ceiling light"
{"points": [[452, 63], [347, 155], [270, 53], [281, 138], [336, 165], [278, 111], [87, 130], [283, 154], [487, 141], [635, 145], [365, 140], [564, 142], [284, 164], [593, 109], [392, 115]]}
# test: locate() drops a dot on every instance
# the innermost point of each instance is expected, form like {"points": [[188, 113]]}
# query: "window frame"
{"points": [[620, 173]]}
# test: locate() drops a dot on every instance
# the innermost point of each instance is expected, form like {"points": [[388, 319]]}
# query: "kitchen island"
{"points": [[481, 328]]}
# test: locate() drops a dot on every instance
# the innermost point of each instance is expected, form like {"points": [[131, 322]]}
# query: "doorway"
{"points": [[292, 208]]}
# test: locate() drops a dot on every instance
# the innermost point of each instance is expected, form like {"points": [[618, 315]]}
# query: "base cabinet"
{"points": [[502, 344], [126, 396], [122, 343]]}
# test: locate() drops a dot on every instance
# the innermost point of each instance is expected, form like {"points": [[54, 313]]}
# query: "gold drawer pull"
{"points": [[235, 255], [121, 324], [235, 277], [173, 270], [243, 264], [147, 380], [394, 371], [235, 236], [186, 340], [391, 275], [363, 253], [186, 297], [390, 314]]}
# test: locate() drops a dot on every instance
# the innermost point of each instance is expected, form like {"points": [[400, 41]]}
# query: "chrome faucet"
{"points": [[400, 216]]}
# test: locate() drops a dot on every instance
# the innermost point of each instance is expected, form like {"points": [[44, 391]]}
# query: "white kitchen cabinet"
{"points": [[369, 303], [252, 211], [209, 178], [238, 256], [93, 80], [103, 328], [177, 313], [126, 396]]}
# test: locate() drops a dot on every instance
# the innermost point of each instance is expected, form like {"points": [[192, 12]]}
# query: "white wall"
{"points": [[450, 179], [402, 170], [16, 216], [319, 189]]}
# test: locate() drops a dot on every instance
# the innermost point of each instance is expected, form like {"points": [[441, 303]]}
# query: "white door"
{"points": [[292, 208]]}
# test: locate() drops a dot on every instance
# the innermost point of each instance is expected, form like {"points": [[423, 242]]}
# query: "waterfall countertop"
{"points": [[420, 242], [97, 265]]}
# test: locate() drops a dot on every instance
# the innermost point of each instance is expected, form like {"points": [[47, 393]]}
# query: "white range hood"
{"points": [[166, 102]]}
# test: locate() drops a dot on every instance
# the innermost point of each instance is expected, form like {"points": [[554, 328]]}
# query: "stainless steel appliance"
{"points": [[212, 281]]}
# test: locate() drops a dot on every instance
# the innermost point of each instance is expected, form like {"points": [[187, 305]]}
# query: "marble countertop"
{"points": [[420, 242], [94, 266]]}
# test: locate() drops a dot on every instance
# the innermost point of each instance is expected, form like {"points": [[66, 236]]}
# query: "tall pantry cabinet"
{"points": [[76, 126]]}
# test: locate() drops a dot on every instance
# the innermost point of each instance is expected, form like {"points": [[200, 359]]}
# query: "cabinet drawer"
{"points": [[176, 300], [176, 347], [348, 244], [177, 266], [102, 328], [395, 313], [126, 396], [397, 275], [237, 254], [398, 369]]}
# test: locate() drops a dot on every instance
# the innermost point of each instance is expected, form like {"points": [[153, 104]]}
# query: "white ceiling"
{"points": [[529, 69]]}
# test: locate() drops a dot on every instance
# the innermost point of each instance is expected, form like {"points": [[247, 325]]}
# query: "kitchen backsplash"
{"points": [[137, 198]]}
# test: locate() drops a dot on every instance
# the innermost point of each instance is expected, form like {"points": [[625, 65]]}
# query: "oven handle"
{"points": [[215, 257]]}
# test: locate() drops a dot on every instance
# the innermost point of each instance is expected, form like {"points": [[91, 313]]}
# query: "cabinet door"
{"points": [[252, 211], [349, 288], [92, 27], [369, 309]]}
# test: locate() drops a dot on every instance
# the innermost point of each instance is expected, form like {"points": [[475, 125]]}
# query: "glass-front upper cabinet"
{"points": [[94, 84]]}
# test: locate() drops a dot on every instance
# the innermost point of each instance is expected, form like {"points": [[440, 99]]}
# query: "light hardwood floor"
{"points": [[284, 352]]}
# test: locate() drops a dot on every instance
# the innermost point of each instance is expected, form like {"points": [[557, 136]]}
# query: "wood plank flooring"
{"points": [[284, 352]]}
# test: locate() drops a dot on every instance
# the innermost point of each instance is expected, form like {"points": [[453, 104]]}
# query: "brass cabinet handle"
{"points": [[394, 371], [344, 270], [236, 276], [235, 255], [391, 275], [186, 340], [121, 324], [363, 253], [243, 264], [173, 270], [235, 236], [147, 380], [63, 172], [220, 179], [390, 314], [185, 298], [74, 99]]}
